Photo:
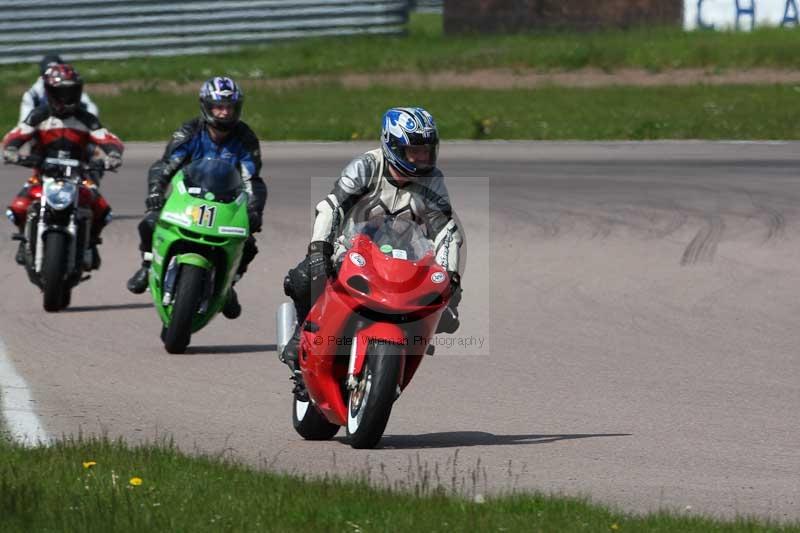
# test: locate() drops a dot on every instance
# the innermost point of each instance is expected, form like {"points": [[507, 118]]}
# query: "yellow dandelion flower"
{"points": [[615, 527], [135, 481], [88, 464]]}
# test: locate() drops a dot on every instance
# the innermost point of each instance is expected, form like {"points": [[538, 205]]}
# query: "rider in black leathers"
{"points": [[219, 134]]}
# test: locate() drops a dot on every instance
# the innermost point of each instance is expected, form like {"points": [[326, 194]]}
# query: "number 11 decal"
{"points": [[205, 215]]}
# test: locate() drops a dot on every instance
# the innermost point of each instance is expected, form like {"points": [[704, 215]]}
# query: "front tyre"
{"points": [[56, 247], [188, 295], [310, 423], [370, 403]]}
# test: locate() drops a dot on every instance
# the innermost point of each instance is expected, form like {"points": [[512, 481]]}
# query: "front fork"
{"points": [[72, 231], [171, 281]]}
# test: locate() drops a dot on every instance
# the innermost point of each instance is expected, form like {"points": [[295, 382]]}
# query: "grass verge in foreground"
{"points": [[332, 113], [103, 486], [426, 49]]}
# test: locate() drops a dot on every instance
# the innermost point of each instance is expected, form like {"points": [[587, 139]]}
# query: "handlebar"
{"points": [[30, 161]]}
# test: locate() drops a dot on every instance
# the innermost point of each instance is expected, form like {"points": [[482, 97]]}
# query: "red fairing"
{"points": [[404, 302], [88, 196]]}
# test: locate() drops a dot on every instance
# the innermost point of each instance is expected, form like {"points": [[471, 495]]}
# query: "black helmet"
{"points": [[216, 91], [48, 61], [63, 88]]}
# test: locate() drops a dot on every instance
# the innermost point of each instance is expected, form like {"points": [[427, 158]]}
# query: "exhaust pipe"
{"points": [[285, 322]]}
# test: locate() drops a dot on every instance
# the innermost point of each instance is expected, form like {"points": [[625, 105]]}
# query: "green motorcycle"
{"points": [[197, 247]]}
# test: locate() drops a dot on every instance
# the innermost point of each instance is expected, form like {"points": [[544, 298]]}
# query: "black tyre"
{"points": [[66, 296], [189, 292], [54, 267], [370, 404], [309, 422]]}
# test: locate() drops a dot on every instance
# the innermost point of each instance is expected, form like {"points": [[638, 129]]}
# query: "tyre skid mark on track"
{"points": [[703, 246], [774, 217]]}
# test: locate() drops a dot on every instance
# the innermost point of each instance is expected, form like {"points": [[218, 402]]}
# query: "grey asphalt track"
{"points": [[638, 304]]}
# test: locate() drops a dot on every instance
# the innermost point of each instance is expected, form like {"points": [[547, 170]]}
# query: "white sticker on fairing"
{"points": [[195, 190], [181, 187], [231, 230], [358, 260], [438, 277], [399, 254], [177, 219]]}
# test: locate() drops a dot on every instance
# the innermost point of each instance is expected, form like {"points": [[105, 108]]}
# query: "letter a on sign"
{"points": [[787, 19]]}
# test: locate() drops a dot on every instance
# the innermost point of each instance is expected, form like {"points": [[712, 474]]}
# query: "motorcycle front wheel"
{"points": [[370, 403], [56, 247], [178, 333]]}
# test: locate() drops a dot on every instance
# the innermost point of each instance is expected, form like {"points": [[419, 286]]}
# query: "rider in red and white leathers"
{"points": [[60, 128]]}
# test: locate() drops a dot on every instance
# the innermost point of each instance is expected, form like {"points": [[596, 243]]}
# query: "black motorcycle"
{"points": [[57, 238]]}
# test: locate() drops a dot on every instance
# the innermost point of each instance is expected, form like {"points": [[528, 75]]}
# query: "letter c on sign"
{"points": [[700, 24]]}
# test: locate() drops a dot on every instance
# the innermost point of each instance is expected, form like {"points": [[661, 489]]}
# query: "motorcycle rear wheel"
{"points": [[310, 423], [56, 247], [370, 404], [189, 292]]}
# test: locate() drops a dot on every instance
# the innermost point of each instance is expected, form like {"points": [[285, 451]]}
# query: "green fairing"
{"points": [[223, 227]]}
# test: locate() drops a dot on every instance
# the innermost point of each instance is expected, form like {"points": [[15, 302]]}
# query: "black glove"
{"points": [[455, 290], [113, 161], [11, 155], [320, 266], [154, 201], [449, 322], [255, 220]]}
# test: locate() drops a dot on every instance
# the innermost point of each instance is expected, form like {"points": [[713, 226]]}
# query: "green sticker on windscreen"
{"points": [[386, 248], [209, 196]]}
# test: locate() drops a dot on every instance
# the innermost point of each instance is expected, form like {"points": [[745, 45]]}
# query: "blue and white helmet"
{"points": [[409, 126], [221, 90]]}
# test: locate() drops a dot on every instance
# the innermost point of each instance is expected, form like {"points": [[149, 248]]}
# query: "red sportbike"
{"points": [[368, 331]]}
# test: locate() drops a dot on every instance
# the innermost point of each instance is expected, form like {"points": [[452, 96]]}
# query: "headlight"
{"points": [[60, 194]]}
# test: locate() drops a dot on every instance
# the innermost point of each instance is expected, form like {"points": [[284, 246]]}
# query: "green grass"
{"points": [[426, 49], [50, 489], [333, 113]]}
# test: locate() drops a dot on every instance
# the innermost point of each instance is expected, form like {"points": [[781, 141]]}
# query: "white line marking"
{"points": [[18, 417]]}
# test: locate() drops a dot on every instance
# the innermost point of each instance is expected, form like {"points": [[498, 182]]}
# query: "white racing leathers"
{"points": [[366, 185], [35, 96]]}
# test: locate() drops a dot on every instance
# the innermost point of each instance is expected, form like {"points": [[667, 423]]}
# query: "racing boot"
{"points": [[289, 356], [20, 257], [138, 282], [232, 309], [96, 261]]}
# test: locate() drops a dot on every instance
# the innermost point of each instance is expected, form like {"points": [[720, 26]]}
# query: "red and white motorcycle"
{"points": [[367, 333]]}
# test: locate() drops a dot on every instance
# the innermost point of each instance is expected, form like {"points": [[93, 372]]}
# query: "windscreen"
{"points": [[400, 238], [213, 179]]}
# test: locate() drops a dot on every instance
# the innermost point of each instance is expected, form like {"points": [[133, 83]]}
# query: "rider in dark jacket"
{"points": [[218, 134]]}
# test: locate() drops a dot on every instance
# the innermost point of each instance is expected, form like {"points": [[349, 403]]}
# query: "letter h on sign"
{"points": [[745, 11]]}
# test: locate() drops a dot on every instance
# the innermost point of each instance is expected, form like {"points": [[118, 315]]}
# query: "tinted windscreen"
{"points": [[214, 176], [399, 237]]}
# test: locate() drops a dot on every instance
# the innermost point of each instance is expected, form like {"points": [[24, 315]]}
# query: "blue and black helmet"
{"points": [[404, 127], [221, 90]]}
